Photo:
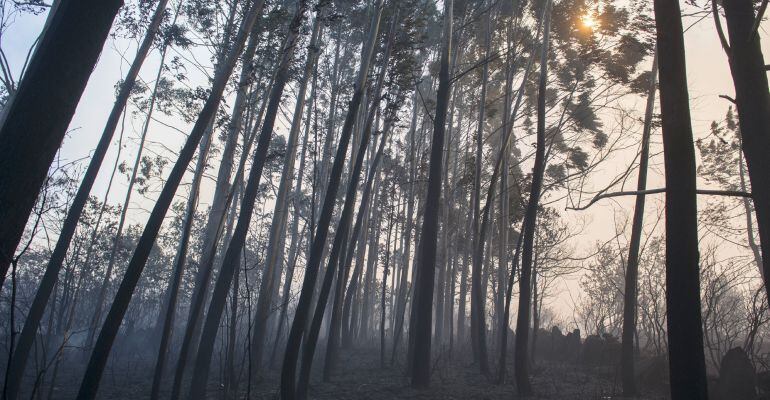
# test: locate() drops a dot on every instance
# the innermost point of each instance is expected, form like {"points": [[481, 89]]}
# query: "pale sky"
{"points": [[708, 77]]}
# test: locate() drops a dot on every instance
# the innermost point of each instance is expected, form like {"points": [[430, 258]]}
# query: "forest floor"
{"points": [[360, 376]]}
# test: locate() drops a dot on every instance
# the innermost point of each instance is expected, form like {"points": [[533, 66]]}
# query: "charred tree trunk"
{"points": [[54, 81], [525, 279], [288, 371], [685, 336], [232, 254], [752, 100], [423, 294], [48, 282], [98, 360], [274, 255], [632, 269]]}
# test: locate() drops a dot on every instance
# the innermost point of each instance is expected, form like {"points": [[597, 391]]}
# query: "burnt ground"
{"points": [[360, 376]]}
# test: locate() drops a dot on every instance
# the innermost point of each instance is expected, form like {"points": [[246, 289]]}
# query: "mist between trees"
{"points": [[482, 199]]}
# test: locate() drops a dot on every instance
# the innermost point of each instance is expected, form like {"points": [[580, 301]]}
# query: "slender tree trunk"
{"points": [[401, 298], [361, 217], [347, 213], [288, 371], [231, 258], [54, 81], [223, 197], [423, 295], [96, 364], [384, 288], [69, 226], [180, 260], [632, 269], [296, 239], [274, 256], [478, 323], [685, 336], [525, 285], [752, 100]]}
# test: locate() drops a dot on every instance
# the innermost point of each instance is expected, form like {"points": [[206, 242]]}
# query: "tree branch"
{"points": [[729, 193]]}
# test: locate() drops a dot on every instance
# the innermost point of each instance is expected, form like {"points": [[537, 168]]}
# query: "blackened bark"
{"points": [[423, 294], [98, 360], [752, 99], [523, 384], [54, 81], [685, 336], [632, 269]]}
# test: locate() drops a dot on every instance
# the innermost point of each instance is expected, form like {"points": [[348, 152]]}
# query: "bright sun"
{"points": [[589, 21]]}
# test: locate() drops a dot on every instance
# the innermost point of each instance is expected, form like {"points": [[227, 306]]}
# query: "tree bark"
{"points": [[632, 269], [98, 360], [232, 254], [685, 336], [523, 385], [54, 81], [288, 371], [423, 294], [752, 100]]}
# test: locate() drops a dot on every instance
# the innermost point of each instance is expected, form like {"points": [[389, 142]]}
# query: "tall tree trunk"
{"points": [[54, 81], [90, 383], [525, 285], [69, 226], [232, 254], [423, 294], [632, 269], [752, 99], [223, 197], [401, 298], [274, 256], [288, 371], [478, 323], [180, 259], [296, 238], [685, 336], [343, 228]]}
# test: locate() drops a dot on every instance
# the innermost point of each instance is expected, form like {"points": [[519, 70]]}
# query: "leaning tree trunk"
{"points": [[683, 309], [232, 254], [296, 238], [274, 255], [180, 259], [54, 81], [101, 351], [48, 282], [632, 270], [752, 100], [525, 278], [423, 294], [288, 371], [223, 197], [341, 235]]}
